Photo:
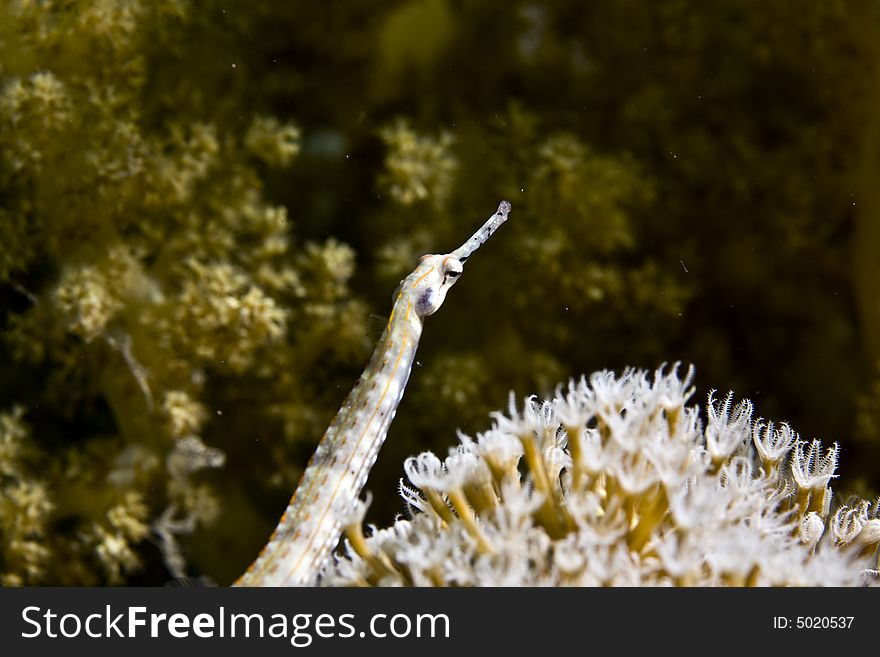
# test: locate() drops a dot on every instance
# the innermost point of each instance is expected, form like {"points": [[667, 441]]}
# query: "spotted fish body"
{"points": [[338, 470]]}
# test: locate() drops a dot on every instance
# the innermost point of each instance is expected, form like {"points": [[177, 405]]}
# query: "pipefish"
{"points": [[337, 472]]}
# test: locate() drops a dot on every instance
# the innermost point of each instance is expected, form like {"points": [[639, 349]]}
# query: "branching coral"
{"points": [[110, 522], [24, 506], [149, 281], [617, 481], [418, 167]]}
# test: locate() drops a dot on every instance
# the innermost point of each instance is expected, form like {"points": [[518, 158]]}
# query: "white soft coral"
{"points": [[615, 480]]}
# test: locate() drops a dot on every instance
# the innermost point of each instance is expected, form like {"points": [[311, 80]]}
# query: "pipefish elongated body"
{"points": [[337, 472]]}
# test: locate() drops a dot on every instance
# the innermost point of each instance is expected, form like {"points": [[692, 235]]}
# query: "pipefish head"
{"points": [[437, 273]]}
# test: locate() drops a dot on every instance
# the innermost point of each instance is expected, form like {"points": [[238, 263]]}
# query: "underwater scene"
{"points": [[663, 369]]}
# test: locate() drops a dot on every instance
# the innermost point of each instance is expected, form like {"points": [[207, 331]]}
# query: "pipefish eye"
{"points": [[452, 268]]}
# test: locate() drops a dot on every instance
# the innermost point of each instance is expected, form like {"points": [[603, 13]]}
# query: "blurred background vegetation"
{"points": [[201, 203]]}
